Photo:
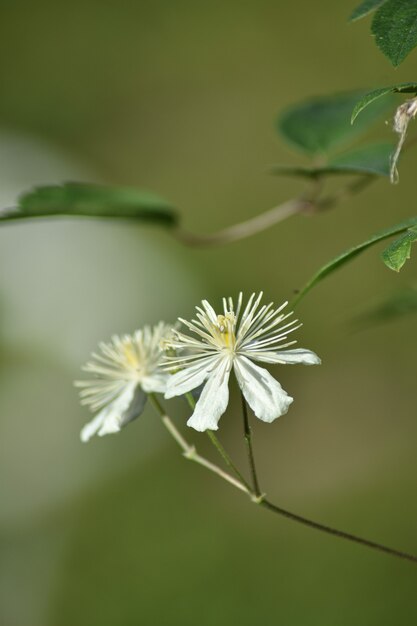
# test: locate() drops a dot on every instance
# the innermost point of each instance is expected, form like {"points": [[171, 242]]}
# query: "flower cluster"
{"points": [[168, 361]]}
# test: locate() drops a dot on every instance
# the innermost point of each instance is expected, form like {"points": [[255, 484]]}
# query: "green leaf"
{"points": [[395, 29], [371, 96], [319, 125], [397, 305], [373, 159], [370, 159], [399, 251], [350, 254], [301, 171], [365, 8], [80, 199]]}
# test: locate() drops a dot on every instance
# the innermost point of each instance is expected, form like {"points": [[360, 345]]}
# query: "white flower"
{"points": [[223, 342], [126, 370]]}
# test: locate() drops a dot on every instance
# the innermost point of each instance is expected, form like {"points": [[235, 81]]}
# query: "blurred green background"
{"points": [[180, 97]]}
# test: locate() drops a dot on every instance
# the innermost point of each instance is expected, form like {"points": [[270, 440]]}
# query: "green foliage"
{"points": [[353, 252], [370, 159], [398, 305], [80, 199], [373, 159], [395, 29], [399, 251], [394, 26], [319, 125], [374, 95], [365, 8]]}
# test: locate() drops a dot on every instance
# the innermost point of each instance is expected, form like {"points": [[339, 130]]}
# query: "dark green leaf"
{"points": [[399, 251], [397, 305], [319, 125], [395, 29], [80, 199], [370, 159], [371, 96], [300, 171], [351, 253], [365, 8]]}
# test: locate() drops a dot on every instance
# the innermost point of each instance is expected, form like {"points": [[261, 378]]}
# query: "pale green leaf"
{"points": [[399, 251]]}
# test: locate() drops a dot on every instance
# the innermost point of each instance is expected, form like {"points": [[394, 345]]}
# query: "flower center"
{"points": [[226, 325], [132, 361]]}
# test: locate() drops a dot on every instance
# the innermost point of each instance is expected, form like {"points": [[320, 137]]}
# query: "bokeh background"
{"points": [[180, 98]]}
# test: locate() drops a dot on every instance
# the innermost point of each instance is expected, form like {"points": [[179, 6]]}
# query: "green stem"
{"points": [[335, 532], [220, 449], [249, 447], [261, 500], [256, 497], [247, 228], [216, 443], [189, 451]]}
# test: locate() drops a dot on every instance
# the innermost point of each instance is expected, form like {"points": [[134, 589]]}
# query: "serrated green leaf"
{"points": [[371, 96], [319, 125], [85, 200], [350, 254], [399, 251], [395, 28], [365, 8], [373, 159]]}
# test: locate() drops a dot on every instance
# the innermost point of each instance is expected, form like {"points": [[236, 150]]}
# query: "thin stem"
{"points": [[248, 227], [345, 192], [216, 443], [337, 533], [249, 447], [219, 447], [190, 452], [262, 501], [190, 399], [256, 496], [302, 204]]}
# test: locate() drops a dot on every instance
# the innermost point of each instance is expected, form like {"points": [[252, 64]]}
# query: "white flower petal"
{"points": [[156, 383], [94, 426], [259, 333], [190, 377], [214, 398], [111, 418], [288, 357], [263, 393], [135, 408]]}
